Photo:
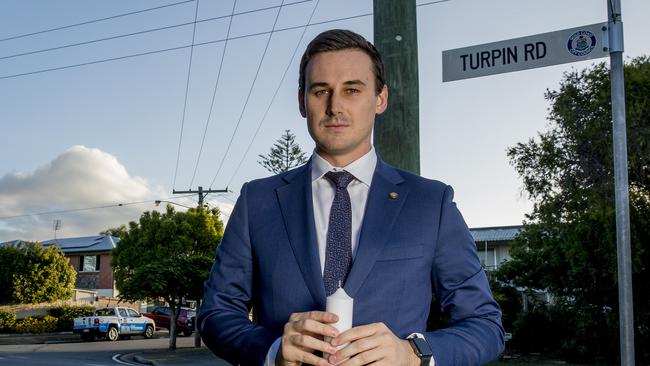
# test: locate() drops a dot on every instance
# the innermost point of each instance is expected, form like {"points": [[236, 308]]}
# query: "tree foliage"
{"points": [[284, 155], [117, 232], [167, 255], [33, 274], [568, 246]]}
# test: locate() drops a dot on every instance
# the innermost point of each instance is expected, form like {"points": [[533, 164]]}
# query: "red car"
{"points": [[161, 315]]}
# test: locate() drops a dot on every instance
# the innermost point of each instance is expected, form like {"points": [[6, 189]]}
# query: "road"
{"points": [[98, 353]]}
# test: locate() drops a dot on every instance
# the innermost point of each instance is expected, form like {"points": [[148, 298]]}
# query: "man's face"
{"points": [[340, 104]]}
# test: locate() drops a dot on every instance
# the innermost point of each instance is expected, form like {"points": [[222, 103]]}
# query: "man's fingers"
{"points": [[311, 359], [373, 344], [304, 333], [314, 327], [357, 347], [300, 348], [319, 316], [311, 323], [362, 331], [309, 343], [364, 358]]}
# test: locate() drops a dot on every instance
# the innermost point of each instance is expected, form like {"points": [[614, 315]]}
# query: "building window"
{"points": [[488, 258], [89, 263]]}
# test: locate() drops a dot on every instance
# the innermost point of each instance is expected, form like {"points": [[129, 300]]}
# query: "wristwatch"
{"points": [[422, 350]]}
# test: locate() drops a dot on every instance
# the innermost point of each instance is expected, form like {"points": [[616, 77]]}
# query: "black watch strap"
{"points": [[422, 350]]}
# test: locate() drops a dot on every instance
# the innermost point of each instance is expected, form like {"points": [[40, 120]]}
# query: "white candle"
{"points": [[342, 305]]}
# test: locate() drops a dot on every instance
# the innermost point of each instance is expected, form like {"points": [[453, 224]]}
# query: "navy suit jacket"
{"points": [[409, 248]]}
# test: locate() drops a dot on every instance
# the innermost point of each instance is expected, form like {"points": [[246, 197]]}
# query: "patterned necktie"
{"points": [[338, 252]]}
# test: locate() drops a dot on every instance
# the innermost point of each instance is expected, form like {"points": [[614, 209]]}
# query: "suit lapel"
{"points": [[382, 209], [297, 210]]}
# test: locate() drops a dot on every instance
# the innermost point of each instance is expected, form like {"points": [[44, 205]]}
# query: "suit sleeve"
{"points": [[223, 319], [474, 334]]}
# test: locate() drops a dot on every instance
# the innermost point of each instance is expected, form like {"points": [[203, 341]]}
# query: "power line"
{"points": [[84, 208], [92, 21], [177, 48], [226, 197], [214, 94], [268, 108], [195, 45], [250, 91], [432, 2], [151, 30], [96, 40], [220, 210], [187, 88], [95, 62]]}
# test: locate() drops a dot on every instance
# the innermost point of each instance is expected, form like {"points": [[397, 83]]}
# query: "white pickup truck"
{"points": [[113, 322]]}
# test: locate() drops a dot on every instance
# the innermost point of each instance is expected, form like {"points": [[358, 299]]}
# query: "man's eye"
{"points": [[352, 91], [321, 92]]}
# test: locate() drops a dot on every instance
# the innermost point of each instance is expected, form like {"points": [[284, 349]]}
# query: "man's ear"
{"points": [[382, 100], [301, 103]]}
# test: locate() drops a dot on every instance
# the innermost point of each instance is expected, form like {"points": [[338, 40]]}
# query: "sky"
{"points": [[93, 134]]}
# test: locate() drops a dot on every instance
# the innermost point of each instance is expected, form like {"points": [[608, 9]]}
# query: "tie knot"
{"points": [[340, 179]]}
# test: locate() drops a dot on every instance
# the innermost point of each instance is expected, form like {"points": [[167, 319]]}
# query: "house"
{"points": [[493, 244], [91, 257]]}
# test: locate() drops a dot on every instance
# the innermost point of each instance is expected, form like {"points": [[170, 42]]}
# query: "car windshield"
{"points": [[104, 312]]}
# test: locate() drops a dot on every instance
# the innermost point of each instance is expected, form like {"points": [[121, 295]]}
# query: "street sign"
{"points": [[545, 49]]}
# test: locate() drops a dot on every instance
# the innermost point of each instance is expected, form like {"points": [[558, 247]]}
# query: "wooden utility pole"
{"points": [[397, 130], [202, 193]]}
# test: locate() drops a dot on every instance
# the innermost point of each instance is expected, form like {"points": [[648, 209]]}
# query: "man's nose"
{"points": [[334, 104]]}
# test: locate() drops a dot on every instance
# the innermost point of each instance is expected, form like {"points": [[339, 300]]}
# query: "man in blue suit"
{"points": [[390, 238]]}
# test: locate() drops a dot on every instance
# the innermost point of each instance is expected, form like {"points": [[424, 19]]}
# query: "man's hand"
{"points": [[373, 344], [303, 334]]}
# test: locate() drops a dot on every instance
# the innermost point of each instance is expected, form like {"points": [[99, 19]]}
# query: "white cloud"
{"points": [[79, 178]]}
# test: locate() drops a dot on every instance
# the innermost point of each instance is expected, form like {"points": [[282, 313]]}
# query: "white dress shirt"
{"points": [[323, 191]]}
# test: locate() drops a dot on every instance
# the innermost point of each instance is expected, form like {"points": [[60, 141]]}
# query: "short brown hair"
{"points": [[341, 39]]}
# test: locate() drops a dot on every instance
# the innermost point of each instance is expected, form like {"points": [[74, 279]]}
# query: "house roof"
{"points": [[12, 243], [495, 233], [100, 243]]}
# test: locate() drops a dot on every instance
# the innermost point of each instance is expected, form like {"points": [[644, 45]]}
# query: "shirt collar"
{"points": [[362, 168]]}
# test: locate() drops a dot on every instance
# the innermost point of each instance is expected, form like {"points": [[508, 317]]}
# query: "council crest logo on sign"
{"points": [[581, 43]]}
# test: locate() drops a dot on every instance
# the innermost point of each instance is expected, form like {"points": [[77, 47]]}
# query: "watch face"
{"points": [[422, 346]]}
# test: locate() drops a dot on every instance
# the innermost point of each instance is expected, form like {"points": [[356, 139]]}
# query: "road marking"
{"points": [[116, 359]]}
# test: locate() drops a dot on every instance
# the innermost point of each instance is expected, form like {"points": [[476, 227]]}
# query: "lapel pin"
{"points": [[393, 195]]}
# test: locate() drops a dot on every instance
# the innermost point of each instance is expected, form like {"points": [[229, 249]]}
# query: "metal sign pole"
{"points": [[626, 314]]}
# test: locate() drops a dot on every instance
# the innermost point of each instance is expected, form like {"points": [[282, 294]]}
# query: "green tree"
{"points": [[117, 232], [568, 246], [167, 255], [32, 274], [284, 155]]}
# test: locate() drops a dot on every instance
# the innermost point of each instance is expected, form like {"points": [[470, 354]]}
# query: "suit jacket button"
{"points": [[393, 195]]}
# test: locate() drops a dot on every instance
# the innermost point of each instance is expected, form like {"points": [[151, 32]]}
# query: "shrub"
{"points": [[66, 314], [535, 331], [33, 324], [7, 321]]}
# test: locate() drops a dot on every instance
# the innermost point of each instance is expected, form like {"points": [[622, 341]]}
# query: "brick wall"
{"points": [[105, 271], [103, 279]]}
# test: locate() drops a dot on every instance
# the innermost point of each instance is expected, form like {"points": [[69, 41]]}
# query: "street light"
{"points": [[157, 202]]}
